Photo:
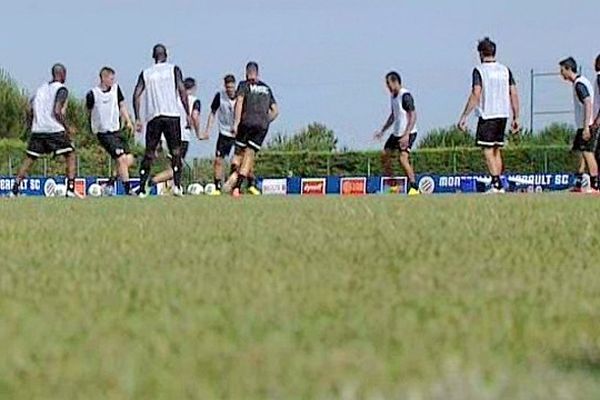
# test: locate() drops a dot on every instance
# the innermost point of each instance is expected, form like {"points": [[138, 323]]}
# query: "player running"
{"points": [[494, 94], [255, 110], [186, 131], [223, 110], [107, 108], [403, 120], [585, 141], [163, 84], [50, 133]]}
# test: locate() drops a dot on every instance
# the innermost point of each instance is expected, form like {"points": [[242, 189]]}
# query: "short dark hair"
{"points": [[229, 79], [108, 70], [158, 51], [252, 65], [58, 68], [393, 76], [486, 47], [598, 63], [189, 83], [569, 64]]}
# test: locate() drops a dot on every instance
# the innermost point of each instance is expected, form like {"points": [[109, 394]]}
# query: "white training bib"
{"points": [[161, 94], [187, 132], [400, 114], [43, 109], [226, 114], [495, 95], [105, 114], [579, 106]]}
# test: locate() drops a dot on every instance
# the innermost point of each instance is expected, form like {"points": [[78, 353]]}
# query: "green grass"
{"points": [[274, 298]]}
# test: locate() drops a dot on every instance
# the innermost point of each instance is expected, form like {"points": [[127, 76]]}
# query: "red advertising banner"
{"points": [[313, 187], [353, 186]]}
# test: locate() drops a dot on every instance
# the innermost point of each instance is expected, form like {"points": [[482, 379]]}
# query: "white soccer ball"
{"points": [[195, 189], [60, 191], [95, 190], [210, 189]]}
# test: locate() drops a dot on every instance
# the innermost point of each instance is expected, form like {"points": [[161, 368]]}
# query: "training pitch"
{"points": [[387, 297]]}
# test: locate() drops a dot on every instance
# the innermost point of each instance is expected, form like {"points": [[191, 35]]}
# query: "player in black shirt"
{"points": [[255, 110]]}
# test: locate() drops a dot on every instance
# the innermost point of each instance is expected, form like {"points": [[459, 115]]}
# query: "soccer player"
{"points": [[50, 133], [186, 136], [222, 109], [596, 125], [403, 120], [585, 141], [255, 110], [105, 104], [494, 94], [163, 84]]}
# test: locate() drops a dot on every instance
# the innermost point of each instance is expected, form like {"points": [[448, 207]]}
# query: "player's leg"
{"points": [[124, 162], [22, 173], [391, 145], [405, 150], [578, 148], [255, 140], [153, 134], [172, 131], [61, 145], [70, 161], [488, 139], [238, 158], [592, 167]]}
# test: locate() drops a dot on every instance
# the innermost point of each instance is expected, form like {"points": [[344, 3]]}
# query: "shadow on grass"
{"points": [[584, 360]]}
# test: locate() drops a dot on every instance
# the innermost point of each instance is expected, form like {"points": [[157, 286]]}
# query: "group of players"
{"points": [[243, 115], [166, 108]]}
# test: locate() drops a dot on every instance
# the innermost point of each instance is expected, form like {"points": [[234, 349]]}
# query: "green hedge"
{"points": [[521, 159], [526, 159]]}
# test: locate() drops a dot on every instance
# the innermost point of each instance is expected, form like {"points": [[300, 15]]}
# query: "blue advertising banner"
{"points": [[55, 186]]}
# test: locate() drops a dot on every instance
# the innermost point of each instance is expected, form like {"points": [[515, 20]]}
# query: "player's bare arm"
{"points": [[137, 101], [273, 112], [474, 99], [183, 94], [197, 125], [209, 124], [589, 110], [60, 110], [515, 104], [387, 124], [239, 106], [124, 112]]}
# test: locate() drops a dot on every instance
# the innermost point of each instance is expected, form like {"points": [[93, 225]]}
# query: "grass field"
{"points": [[274, 298]]}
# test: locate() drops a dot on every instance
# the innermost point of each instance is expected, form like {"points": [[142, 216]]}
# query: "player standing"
{"points": [[494, 94], [585, 141], [106, 107], [403, 120], [255, 110], [186, 131], [223, 110], [50, 133], [163, 83]]}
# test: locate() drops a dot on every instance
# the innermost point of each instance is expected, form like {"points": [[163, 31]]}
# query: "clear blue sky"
{"points": [[325, 60]]}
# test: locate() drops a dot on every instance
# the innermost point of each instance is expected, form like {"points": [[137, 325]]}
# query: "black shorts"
{"points": [[170, 127], [250, 136], [393, 143], [185, 146], [55, 144], [114, 143], [585, 145], [224, 146], [490, 132]]}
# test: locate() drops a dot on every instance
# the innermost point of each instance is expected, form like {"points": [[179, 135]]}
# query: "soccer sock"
{"points": [[218, 184], [496, 184], [233, 169], [71, 184], [578, 180], [176, 165], [594, 182], [240, 181], [15, 188], [251, 180], [127, 187], [145, 173], [413, 185]]}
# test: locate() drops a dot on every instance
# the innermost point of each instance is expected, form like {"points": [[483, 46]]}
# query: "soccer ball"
{"points": [[95, 190], [60, 191], [195, 189], [210, 189]]}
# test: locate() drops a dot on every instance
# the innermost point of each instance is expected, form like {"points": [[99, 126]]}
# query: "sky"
{"points": [[324, 59]]}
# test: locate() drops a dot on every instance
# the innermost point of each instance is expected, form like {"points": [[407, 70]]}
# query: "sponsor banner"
{"points": [[396, 185], [313, 187], [480, 183], [47, 187], [275, 187], [353, 186]]}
